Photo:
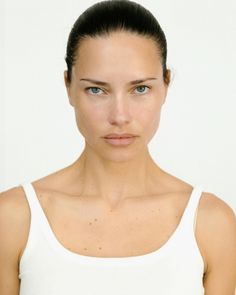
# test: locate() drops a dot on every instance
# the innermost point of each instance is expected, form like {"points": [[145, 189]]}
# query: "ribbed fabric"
{"points": [[48, 268]]}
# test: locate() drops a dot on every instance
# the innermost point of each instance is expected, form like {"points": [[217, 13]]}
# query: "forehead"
{"points": [[119, 51]]}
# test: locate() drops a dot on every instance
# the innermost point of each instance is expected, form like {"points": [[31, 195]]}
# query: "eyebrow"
{"points": [[106, 84]]}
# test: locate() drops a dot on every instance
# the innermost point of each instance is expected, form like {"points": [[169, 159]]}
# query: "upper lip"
{"points": [[117, 135]]}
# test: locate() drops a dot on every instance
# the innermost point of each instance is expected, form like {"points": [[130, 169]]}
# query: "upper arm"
{"points": [[10, 239], [220, 245]]}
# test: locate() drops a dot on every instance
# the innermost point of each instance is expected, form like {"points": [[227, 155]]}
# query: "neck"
{"points": [[115, 181]]}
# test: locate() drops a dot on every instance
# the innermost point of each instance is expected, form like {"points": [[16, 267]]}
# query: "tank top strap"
{"points": [[190, 213], [37, 213], [38, 222]]}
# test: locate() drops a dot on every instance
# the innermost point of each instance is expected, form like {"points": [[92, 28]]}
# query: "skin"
{"points": [[121, 189], [118, 107]]}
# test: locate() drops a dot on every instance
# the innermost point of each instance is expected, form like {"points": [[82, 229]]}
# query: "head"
{"points": [[118, 44]]}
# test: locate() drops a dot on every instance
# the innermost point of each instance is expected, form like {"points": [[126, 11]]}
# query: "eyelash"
{"points": [[88, 88]]}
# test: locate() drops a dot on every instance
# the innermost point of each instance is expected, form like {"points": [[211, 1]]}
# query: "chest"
{"points": [[136, 229]]}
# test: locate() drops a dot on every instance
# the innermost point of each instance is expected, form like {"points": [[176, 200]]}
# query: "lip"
{"points": [[119, 136], [124, 141]]}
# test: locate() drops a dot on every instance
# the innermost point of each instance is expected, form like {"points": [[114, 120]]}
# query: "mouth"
{"points": [[119, 136], [120, 140]]}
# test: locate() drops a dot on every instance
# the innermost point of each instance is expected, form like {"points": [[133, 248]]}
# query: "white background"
{"points": [[196, 139]]}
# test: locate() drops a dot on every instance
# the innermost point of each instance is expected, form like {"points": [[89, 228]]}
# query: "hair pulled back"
{"points": [[106, 17]]}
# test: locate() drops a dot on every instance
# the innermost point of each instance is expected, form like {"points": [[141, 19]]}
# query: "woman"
{"points": [[113, 222]]}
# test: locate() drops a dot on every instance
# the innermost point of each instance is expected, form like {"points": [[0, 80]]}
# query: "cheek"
{"points": [[148, 114], [88, 120], [149, 119]]}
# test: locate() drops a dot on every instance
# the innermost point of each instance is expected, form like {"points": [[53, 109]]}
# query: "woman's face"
{"points": [[117, 105]]}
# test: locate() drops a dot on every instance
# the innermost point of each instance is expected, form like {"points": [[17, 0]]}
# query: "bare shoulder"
{"points": [[215, 212], [13, 200], [216, 228], [12, 197], [15, 218], [215, 215]]}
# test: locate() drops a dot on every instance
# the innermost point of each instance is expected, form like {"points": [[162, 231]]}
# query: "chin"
{"points": [[120, 155]]}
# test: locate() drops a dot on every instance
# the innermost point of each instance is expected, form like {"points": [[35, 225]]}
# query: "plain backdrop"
{"points": [[196, 137]]}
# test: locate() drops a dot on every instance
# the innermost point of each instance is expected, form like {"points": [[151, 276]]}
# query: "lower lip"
{"points": [[120, 141]]}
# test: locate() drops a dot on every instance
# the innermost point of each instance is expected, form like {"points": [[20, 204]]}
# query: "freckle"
{"points": [[85, 248], [100, 248], [95, 219], [90, 223]]}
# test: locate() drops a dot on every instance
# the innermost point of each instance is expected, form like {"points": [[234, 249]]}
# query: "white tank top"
{"points": [[48, 268]]}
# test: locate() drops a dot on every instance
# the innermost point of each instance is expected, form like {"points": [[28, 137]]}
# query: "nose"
{"points": [[119, 111]]}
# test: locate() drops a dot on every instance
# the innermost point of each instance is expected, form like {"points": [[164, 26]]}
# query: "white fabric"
{"points": [[48, 268]]}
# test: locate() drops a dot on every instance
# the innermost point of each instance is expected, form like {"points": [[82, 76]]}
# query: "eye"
{"points": [[94, 90], [141, 89]]}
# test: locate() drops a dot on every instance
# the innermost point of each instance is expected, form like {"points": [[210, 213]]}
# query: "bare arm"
{"points": [[11, 230], [220, 238]]}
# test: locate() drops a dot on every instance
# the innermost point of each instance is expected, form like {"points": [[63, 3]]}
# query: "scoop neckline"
{"points": [[62, 250]]}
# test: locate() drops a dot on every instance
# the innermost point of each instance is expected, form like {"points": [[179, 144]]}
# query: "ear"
{"points": [[168, 78], [68, 86], [66, 79], [167, 81]]}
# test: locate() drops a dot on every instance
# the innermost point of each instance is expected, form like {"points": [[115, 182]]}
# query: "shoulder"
{"points": [[217, 232], [14, 218], [210, 201], [216, 215], [13, 201], [215, 210]]}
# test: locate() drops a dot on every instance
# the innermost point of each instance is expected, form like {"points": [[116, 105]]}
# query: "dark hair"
{"points": [[106, 17]]}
